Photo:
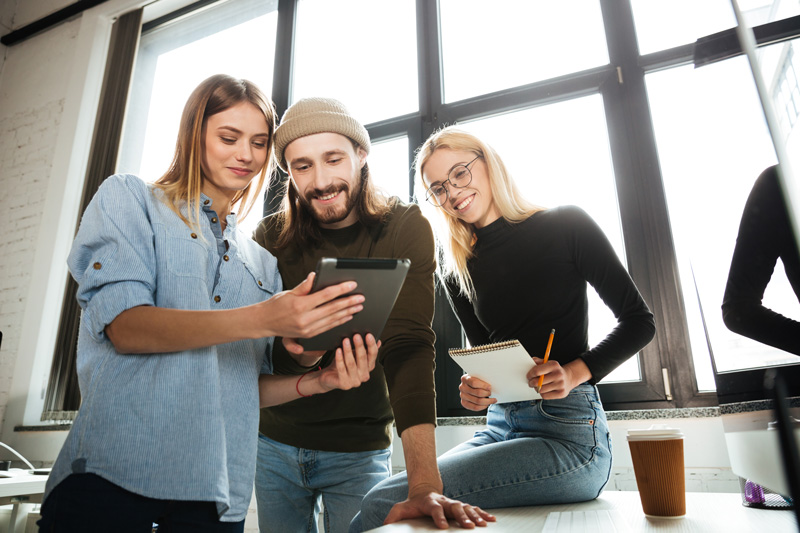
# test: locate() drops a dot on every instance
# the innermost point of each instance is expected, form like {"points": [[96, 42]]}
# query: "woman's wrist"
{"points": [[310, 364], [310, 383], [306, 385], [578, 371], [308, 360]]}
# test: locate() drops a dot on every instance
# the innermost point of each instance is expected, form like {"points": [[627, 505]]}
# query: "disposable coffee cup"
{"points": [[657, 454]]}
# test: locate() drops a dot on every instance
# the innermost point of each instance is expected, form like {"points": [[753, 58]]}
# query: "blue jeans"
{"points": [[290, 482], [530, 453]]}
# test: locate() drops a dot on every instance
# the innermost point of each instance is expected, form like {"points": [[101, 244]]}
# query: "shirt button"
{"points": [[97, 266], [217, 298], [206, 202], [225, 257], [214, 220], [260, 284], [194, 235]]}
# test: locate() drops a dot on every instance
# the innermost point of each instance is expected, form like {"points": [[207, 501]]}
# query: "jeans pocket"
{"points": [[570, 419]]}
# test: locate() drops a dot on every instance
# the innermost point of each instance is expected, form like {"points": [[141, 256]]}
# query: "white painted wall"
{"points": [[33, 82]]}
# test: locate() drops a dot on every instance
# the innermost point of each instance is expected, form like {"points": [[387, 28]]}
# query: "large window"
{"points": [[340, 52], [510, 43], [236, 38], [589, 102], [665, 24], [710, 157]]}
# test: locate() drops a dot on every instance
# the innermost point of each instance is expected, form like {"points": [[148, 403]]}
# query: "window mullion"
{"points": [[282, 88], [644, 216]]}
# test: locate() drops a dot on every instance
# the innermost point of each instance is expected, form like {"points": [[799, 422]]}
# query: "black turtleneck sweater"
{"points": [[530, 277]]}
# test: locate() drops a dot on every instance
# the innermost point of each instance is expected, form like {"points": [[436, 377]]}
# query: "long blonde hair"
{"points": [[454, 236], [183, 182]]}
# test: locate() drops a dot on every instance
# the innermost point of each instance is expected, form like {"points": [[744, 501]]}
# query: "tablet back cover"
{"points": [[379, 280]]}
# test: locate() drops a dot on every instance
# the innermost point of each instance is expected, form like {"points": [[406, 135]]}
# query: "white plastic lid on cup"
{"points": [[655, 432]]}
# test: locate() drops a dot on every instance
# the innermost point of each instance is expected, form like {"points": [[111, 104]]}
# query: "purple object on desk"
{"points": [[753, 492]]}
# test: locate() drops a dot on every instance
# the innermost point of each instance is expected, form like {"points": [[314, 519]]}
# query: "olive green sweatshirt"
{"points": [[401, 387]]}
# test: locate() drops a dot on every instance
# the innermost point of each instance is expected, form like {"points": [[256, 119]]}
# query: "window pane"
{"points": [[712, 144], [662, 24], [757, 12], [535, 144], [484, 44], [362, 52], [388, 166], [173, 59]]}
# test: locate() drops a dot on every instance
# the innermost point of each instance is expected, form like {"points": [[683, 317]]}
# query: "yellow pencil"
{"points": [[547, 355]]}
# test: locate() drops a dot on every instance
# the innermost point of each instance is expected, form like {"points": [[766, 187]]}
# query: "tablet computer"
{"points": [[379, 280]]}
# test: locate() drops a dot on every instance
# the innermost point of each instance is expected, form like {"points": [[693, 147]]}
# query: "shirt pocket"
{"points": [[262, 279], [187, 255]]}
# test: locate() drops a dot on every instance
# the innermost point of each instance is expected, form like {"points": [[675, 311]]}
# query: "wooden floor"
{"points": [[706, 512]]}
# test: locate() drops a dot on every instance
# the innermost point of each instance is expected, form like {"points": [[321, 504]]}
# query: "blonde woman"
{"points": [[516, 271], [179, 313]]}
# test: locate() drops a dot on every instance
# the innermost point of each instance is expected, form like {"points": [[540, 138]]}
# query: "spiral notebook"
{"points": [[504, 365]]}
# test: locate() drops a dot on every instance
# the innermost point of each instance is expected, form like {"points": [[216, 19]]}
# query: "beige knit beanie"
{"points": [[317, 115]]}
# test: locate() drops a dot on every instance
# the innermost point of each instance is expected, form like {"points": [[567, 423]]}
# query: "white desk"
{"points": [[22, 490], [706, 512]]}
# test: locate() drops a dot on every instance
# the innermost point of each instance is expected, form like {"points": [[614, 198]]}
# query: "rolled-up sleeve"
{"points": [[112, 258]]}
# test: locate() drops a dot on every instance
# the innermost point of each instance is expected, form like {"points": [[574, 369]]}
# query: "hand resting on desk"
{"points": [[440, 508]]}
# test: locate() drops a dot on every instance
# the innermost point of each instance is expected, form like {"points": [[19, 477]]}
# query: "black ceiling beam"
{"points": [[48, 22], [725, 44]]}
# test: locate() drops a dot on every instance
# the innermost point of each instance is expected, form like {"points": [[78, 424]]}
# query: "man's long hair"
{"points": [[298, 226], [183, 182]]}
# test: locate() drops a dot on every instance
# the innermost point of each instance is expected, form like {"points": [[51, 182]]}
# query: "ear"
{"points": [[362, 157]]}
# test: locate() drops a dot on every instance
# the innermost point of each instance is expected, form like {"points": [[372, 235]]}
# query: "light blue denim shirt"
{"points": [[184, 425]]}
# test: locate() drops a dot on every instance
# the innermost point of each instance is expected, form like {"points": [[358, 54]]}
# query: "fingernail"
{"points": [[351, 285]]}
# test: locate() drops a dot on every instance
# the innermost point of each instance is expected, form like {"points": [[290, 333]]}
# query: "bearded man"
{"points": [[333, 448]]}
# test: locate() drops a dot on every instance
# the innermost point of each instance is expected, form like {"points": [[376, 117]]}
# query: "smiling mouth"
{"points": [[326, 197], [462, 205]]}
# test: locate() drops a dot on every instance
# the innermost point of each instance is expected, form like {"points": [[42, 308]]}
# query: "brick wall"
{"points": [[34, 76], [26, 140]]}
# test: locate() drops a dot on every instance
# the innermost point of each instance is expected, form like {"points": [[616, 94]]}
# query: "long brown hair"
{"points": [[298, 226], [183, 182]]}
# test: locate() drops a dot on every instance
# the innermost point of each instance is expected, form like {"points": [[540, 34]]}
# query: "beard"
{"points": [[333, 214]]}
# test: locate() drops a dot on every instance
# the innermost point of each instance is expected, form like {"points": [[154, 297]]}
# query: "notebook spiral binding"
{"points": [[484, 348]]}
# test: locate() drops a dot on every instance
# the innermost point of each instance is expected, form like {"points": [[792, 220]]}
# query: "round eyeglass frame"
{"points": [[433, 199]]}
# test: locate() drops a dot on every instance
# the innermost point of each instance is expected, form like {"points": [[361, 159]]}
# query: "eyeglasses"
{"points": [[459, 177]]}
